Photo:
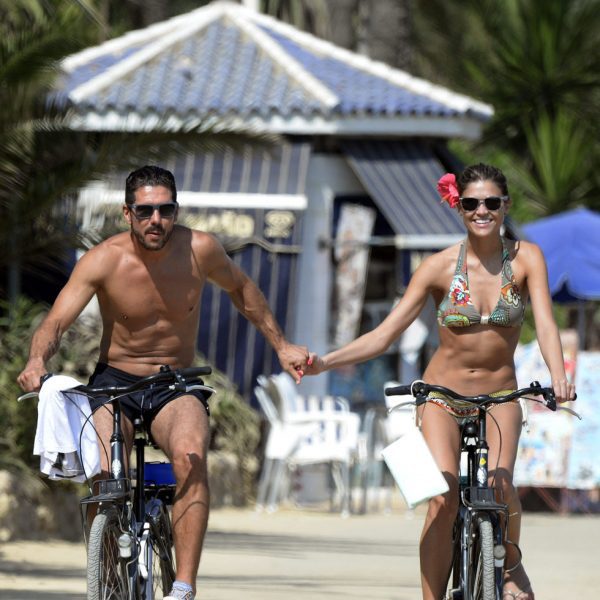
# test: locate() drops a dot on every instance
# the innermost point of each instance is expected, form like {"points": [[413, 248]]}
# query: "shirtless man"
{"points": [[148, 282]]}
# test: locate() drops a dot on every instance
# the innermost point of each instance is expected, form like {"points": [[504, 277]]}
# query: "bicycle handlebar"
{"points": [[179, 378], [421, 390]]}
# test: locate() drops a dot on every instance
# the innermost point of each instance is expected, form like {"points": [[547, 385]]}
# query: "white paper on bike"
{"points": [[413, 467]]}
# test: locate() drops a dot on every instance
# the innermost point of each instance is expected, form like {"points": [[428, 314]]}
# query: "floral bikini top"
{"points": [[457, 310]]}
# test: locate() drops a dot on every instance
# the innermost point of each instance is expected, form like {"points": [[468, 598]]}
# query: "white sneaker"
{"points": [[188, 596]]}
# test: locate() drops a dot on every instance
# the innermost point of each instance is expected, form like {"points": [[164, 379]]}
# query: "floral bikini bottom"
{"points": [[460, 410]]}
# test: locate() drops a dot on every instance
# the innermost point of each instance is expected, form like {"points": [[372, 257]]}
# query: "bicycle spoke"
{"points": [[162, 555], [106, 571]]}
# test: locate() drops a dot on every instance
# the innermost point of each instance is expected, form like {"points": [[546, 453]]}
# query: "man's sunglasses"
{"points": [[145, 211], [491, 203]]}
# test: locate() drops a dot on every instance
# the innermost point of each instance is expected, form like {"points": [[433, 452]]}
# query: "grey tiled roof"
{"points": [[239, 63], [358, 90]]}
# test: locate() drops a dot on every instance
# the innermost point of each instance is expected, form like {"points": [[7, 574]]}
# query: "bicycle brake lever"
{"points": [[45, 378], [570, 411], [179, 386], [397, 406], [30, 395]]}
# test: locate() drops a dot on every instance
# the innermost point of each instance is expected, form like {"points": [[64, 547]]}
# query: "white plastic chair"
{"points": [[379, 431], [330, 436], [282, 441], [371, 469], [334, 443]]}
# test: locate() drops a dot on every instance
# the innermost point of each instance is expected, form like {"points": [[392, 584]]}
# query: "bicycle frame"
{"points": [[138, 512], [117, 491], [477, 498]]}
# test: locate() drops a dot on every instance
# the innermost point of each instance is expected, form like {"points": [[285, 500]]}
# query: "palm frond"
{"points": [[560, 162]]}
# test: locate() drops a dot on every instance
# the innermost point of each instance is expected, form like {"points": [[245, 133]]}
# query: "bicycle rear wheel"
{"points": [[481, 583], [107, 577], [161, 549]]}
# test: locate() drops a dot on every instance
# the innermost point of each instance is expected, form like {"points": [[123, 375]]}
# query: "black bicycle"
{"points": [[130, 541], [479, 537]]}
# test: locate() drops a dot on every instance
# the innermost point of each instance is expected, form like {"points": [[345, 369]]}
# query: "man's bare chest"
{"points": [[140, 296]]}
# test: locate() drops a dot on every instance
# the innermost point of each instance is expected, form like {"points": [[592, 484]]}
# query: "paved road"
{"points": [[299, 555]]}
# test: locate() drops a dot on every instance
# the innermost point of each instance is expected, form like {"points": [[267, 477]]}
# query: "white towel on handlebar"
{"points": [[65, 439]]}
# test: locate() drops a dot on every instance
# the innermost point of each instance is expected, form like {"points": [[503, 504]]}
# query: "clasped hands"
{"points": [[298, 361]]}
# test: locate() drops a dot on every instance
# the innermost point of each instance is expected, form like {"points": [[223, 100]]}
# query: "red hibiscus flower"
{"points": [[447, 189]]}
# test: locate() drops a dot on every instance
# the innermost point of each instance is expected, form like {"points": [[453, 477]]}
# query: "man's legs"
{"points": [[181, 430], [103, 423]]}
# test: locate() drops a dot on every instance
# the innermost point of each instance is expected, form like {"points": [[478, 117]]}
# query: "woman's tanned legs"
{"points": [[442, 434], [503, 431]]}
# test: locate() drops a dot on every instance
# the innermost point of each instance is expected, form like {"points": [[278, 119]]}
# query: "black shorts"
{"points": [[144, 404]]}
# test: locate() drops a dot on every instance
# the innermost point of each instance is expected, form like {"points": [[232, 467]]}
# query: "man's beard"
{"points": [[159, 244]]}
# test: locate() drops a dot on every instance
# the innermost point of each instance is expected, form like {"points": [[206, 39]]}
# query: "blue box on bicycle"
{"points": [[158, 473]]}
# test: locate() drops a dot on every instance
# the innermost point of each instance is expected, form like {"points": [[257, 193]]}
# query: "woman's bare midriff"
{"points": [[474, 364]]}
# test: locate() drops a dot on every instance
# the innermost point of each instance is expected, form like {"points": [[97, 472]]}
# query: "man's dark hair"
{"points": [[482, 172], [148, 175]]}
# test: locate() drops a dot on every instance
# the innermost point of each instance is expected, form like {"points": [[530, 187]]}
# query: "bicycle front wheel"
{"points": [[161, 550], [106, 572], [481, 580]]}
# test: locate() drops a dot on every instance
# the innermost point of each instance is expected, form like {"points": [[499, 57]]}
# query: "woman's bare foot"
{"points": [[517, 585]]}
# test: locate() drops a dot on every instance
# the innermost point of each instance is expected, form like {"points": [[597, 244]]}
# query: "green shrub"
{"points": [[235, 427], [18, 419]]}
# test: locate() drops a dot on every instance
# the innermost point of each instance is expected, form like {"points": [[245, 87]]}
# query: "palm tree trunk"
{"points": [[379, 29], [385, 31], [343, 16], [152, 11]]}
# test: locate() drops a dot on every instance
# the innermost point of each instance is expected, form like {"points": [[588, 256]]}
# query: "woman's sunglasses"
{"points": [[491, 203], [145, 211]]}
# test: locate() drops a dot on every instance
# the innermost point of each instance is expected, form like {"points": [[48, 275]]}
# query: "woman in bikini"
{"points": [[481, 287]]}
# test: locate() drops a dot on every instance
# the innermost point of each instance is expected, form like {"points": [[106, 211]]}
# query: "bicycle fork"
{"points": [[479, 502], [148, 512]]}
